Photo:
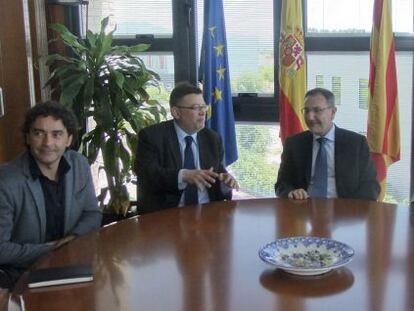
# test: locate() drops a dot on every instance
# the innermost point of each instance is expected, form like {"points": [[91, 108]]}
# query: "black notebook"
{"points": [[60, 276]]}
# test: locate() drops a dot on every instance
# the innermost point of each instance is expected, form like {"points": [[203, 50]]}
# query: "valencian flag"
{"points": [[383, 118], [292, 69], [214, 74]]}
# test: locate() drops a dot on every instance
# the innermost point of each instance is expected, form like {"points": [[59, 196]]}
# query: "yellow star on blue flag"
{"points": [[217, 95], [219, 49], [215, 77], [221, 72]]}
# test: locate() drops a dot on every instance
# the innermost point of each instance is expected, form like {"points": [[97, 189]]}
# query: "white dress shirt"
{"points": [[181, 134], [330, 153]]}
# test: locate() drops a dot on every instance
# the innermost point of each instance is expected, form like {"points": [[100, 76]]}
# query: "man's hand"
{"points": [[229, 181], [298, 194], [200, 178], [58, 243]]}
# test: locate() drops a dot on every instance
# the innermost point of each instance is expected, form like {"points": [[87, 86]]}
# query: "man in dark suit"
{"points": [[164, 178], [47, 197], [349, 171]]}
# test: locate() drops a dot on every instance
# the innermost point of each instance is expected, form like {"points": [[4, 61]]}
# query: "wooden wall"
{"points": [[14, 68], [13, 77]]}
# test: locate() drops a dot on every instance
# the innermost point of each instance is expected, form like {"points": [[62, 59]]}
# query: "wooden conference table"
{"points": [[206, 258]]}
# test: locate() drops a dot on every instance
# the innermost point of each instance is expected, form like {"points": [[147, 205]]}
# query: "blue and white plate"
{"points": [[306, 255]]}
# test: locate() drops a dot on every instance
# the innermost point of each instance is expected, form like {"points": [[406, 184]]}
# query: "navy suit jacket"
{"points": [[159, 160], [23, 212], [355, 174]]}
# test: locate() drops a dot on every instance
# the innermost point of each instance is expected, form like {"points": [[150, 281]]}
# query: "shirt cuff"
{"points": [[225, 189], [181, 184]]}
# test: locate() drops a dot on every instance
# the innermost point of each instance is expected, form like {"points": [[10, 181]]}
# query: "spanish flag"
{"points": [[383, 118], [292, 69]]}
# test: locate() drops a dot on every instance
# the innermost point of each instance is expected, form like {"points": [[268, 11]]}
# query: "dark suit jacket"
{"points": [[355, 173], [159, 161], [23, 212]]}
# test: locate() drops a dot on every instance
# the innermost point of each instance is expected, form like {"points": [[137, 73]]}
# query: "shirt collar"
{"points": [[36, 172], [329, 136], [181, 134]]}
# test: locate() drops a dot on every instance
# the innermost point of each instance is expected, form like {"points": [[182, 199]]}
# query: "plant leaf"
{"points": [[91, 39], [95, 144], [109, 156], [118, 78], [68, 38], [139, 48], [71, 89], [125, 158], [57, 57]]}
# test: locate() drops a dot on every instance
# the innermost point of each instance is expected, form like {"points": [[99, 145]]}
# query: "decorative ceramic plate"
{"points": [[306, 255]]}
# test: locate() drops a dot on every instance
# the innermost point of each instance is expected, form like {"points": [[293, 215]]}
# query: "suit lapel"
{"points": [[340, 156], [174, 145], [37, 194], [68, 199], [308, 150], [202, 152]]}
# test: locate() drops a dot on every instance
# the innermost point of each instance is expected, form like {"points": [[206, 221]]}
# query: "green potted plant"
{"points": [[107, 84]]}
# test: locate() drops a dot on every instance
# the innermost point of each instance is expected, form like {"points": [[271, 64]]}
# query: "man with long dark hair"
{"points": [[47, 197]]}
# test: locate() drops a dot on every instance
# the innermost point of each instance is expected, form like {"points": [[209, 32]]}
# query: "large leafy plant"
{"points": [[107, 84]]}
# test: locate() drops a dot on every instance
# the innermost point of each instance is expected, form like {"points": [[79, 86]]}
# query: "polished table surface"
{"points": [[206, 258]]}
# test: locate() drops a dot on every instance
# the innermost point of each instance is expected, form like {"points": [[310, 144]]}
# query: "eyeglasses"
{"points": [[316, 110], [195, 107]]}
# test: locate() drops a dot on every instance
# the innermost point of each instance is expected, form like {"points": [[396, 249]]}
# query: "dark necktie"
{"points": [[190, 192], [320, 176]]}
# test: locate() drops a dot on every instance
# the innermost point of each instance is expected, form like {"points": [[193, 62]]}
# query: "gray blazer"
{"points": [[23, 214]]}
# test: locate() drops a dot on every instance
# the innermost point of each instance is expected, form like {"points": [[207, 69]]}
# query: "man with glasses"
{"points": [[180, 162], [325, 161], [47, 197]]}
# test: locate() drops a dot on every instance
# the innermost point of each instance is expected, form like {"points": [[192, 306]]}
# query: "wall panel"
{"points": [[13, 77]]}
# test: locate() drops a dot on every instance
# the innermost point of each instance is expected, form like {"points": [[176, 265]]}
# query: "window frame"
{"points": [[247, 107], [255, 108]]}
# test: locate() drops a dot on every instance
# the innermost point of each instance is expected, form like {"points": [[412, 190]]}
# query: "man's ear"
{"points": [[175, 112], [69, 143], [334, 109]]}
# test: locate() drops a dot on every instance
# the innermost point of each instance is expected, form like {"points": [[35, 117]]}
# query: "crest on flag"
{"points": [[292, 51], [292, 69]]}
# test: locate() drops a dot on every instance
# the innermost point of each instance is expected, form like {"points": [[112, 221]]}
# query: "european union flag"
{"points": [[215, 77]]}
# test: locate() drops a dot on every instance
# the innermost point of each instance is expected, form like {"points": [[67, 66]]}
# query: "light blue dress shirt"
{"points": [[181, 134], [330, 153]]}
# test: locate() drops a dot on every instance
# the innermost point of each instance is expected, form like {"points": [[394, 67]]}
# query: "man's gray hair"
{"points": [[329, 96]]}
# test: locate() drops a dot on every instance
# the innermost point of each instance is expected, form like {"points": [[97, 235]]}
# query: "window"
{"points": [[337, 48], [163, 64], [152, 22], [353, 71], [319, 81], [250, 52], [337, 44], [363, 94], [148, 17], [251, 56], [259, 149], [336, 89], [354, 16]]}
